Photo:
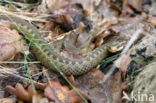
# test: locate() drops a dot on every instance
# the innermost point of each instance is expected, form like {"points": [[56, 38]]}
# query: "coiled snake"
{"points": [[50, 58]]}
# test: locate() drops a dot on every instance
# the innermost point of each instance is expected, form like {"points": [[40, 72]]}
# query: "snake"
{"points": [[52, 59]]}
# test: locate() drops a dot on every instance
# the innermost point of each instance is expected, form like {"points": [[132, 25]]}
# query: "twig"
{"points": [[3, 11], [23, 78]]}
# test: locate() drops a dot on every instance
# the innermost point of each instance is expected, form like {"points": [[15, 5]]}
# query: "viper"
{"points": [[52, 59]]}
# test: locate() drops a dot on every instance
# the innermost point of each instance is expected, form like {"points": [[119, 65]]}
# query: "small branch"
{"points": [[10, 73]]}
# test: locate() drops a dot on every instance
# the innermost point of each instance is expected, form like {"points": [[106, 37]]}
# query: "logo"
{"points": [[138, 97]]}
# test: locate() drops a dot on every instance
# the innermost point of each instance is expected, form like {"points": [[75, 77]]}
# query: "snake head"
{"points": [[116, 46]]}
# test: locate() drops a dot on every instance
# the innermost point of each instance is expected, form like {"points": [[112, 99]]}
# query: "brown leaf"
{"points": [[9, 42], [152, 20], [118, 86], [51, 5], [128, 26], [39, 98], [21, 92], [70, 16], [122, 63], [28, 93], [7, 100], [87, 4], [99, 91], [136, 4], [147, 46], [62, 94]]}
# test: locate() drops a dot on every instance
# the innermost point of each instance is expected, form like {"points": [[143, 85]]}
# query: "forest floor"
{"points": [[76, 28]]}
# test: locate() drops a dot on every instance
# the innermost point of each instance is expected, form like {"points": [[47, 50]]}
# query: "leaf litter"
{"points": [[120, 19]]}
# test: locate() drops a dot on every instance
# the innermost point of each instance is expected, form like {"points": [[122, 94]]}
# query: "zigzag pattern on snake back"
{"points": [[53, 60]]}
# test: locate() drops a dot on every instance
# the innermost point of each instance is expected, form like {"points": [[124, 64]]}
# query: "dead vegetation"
{"points": [[75, 28]]}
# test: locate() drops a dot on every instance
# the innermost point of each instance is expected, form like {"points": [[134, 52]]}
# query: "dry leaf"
{"points": [[122, 63], [9, 42], [39, 98], [49, 6], [152, 20], [87, 4], [21, 92], [129, 26], [118, 86], [28, 93], [137, 4], [101, 92], [70, 16], [7, 100], [147, 45], [62, 94]]}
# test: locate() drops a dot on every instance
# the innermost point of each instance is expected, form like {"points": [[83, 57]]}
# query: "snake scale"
{"points": [[52, 59]]}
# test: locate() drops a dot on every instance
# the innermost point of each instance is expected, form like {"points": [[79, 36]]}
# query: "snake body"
{"points": [[50, 58]]}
